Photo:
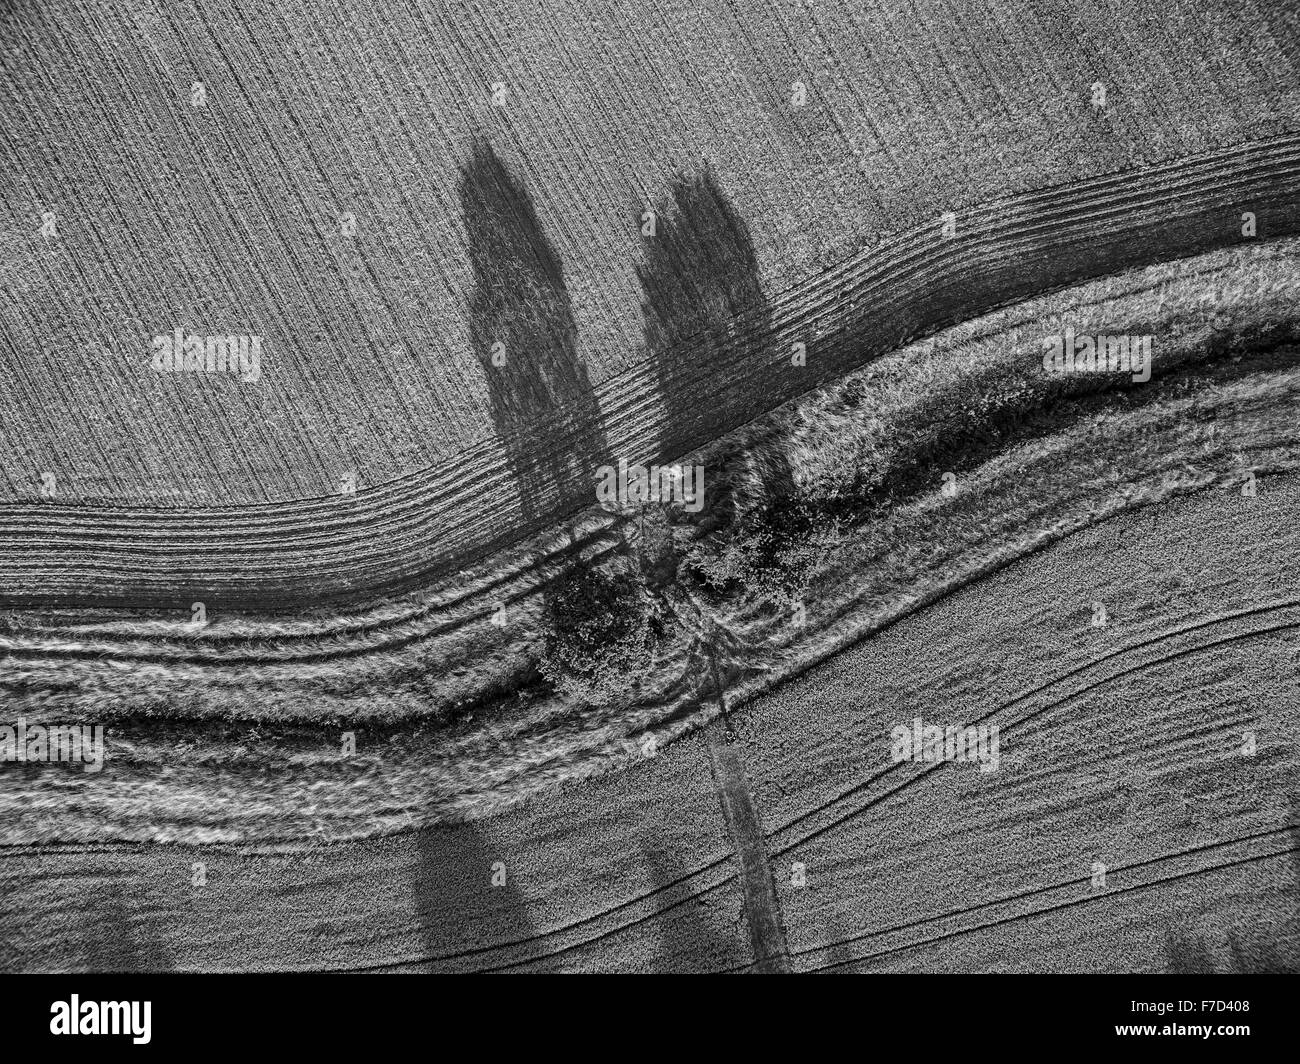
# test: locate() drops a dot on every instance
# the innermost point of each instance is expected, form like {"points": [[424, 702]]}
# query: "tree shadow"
{"points": [[839, 956], [704, 312], [117, 938], [1268, 949], [1187, 954], [1256, 956], [1275, 949], [548, 420], [524, 334], [467, 900], [701, 297], [689, 944], [1252, 953]]}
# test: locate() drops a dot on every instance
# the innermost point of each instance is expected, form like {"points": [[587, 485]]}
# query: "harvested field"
{"points": [[337, 335], [371, 109]]}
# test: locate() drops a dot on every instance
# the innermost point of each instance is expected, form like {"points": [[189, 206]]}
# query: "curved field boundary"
{"points": [[429, 776], [410, 531]]}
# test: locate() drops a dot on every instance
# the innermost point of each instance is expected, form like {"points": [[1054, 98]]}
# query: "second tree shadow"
{"points": [[702, 303]]}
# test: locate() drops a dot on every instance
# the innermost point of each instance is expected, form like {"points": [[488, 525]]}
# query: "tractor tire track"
{"points": [[1077, 692], [1067, 904]]}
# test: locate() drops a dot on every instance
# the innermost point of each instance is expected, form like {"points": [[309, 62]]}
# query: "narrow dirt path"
{"points": [[745, 826], [762, 909]]}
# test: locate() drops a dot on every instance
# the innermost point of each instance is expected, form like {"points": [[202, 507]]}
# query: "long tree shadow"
{"points": [[117, 938], [700, 281], [1187, 954], [1275, 948], [467, 900], [704, 308], [839, 954], [524, 333], [689, 942], [548, 420]]}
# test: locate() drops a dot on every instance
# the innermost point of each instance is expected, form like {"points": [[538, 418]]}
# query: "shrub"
{"points": [[771, 550], [597, 631]]}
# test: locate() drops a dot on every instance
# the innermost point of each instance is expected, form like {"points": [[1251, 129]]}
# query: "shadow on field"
{"points": [[1250, 952], [690, 942], [523, 330], [547, 418], [707, 320], [1259, 949], [1187, 954], [699, 277], [839, 954], [115, 939], [458, 908]]}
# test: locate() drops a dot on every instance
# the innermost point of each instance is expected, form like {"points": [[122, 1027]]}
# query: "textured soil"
{"points": [[1120, 745]]}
